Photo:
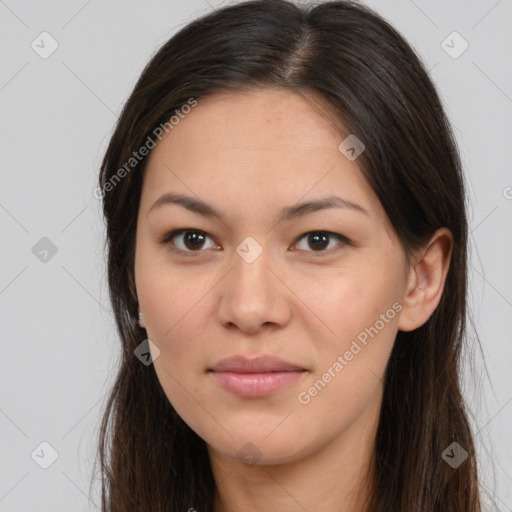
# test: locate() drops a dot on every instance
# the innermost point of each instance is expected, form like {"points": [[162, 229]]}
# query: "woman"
{"points": [[287, 244]]}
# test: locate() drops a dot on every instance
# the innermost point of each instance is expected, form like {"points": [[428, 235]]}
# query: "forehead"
{"points": [[269, 145], [268, 119]]}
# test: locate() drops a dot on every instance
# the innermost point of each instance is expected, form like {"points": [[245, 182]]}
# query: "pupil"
{"points": [[194, 238], [318, 240]]}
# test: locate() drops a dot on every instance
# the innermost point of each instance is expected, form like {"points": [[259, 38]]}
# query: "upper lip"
{"points": [[259, 364]]}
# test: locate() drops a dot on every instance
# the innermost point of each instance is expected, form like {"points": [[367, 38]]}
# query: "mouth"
{"points": [[256, 377]]}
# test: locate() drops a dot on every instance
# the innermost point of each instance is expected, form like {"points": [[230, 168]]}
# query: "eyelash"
{"points": [[169, 236]]}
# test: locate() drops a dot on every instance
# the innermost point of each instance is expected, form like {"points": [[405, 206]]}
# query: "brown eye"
{"points": [[193, 239], [187, 240], [320, 240]]}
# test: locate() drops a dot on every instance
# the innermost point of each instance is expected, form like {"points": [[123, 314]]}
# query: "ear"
{"points": [[425, 281], [142, 323]]}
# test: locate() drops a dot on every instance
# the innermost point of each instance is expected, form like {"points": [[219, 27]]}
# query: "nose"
{"points": [[253, 295]]}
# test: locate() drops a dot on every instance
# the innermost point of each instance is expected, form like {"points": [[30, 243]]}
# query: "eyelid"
{"points": [[166, 240]]}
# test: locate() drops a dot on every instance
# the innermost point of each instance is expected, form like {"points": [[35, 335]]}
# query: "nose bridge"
{"points": [[252, 295], [250, 279]]}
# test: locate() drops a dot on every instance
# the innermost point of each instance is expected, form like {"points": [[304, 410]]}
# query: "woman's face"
{"points": [[252, 279]]}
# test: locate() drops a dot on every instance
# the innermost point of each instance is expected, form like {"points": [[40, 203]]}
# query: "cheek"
{"points": [[175, 310], [175, 318], [351, 303], [362, 310], [170, 295], [349, 374]]}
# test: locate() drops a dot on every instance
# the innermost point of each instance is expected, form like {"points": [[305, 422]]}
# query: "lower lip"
{"points": [[254, 385]]}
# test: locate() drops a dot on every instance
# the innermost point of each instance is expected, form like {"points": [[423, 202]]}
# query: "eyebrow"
{"points": [[286, 214]]}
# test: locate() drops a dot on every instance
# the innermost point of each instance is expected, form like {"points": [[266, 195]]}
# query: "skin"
{"points": [[249, 154]]}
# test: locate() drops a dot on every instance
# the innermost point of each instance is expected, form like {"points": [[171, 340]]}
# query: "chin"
{"points": [[259, 450]]}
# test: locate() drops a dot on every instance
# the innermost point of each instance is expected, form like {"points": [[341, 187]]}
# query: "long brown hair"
{"points": [[376, 85]]}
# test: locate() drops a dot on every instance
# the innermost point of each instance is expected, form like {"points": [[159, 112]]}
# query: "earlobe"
{"points": [[426, 280], [141, 320]]}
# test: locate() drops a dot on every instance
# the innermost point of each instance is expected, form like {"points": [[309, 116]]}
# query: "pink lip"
{"points": [[252, 378]]}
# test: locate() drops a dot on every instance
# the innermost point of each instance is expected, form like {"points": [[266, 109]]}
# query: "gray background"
{"points": [[59, 345]]}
